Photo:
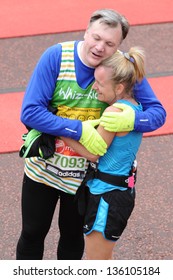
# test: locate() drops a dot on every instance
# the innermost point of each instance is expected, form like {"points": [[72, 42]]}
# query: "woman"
{"points": [[111, 193]]}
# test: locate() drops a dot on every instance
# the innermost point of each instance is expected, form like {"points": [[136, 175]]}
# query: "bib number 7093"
{"points": [[67, 162]]}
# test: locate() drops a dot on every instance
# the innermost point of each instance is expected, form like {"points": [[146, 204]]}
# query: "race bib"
{"points": [[66, 162]]}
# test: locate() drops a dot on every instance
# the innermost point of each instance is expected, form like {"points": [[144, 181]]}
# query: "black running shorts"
{"points": [[109, 212]]}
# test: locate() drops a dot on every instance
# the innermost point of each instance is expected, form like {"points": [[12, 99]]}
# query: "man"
{"points": [[63, 78]]}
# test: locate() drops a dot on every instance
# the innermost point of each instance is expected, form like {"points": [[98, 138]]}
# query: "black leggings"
{"points": [[38, 206]]}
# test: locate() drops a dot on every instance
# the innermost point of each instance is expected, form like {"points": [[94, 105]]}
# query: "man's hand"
{"points": [[119, 121], [91, 139]]}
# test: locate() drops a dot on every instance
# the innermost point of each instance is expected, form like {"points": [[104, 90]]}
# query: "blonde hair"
{"points": [[127, 67]]}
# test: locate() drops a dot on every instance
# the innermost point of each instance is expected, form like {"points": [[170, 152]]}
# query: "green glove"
{"points": [[37, 144], [91, 139], [29, 139], [119, 121]]}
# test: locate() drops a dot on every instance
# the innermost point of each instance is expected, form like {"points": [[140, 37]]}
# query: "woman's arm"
{"points": [[80, 149], [106, 135]]}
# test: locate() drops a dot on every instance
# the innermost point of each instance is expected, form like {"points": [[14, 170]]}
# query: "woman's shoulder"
{"points": [[112, 108]]}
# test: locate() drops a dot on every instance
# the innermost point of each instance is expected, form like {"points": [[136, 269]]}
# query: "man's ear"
{"points": [[86, 33]]}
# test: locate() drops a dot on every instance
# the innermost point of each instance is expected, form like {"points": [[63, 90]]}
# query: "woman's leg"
{"points": [[106, 219], [38, 205], [97, 247], [71, 242]]}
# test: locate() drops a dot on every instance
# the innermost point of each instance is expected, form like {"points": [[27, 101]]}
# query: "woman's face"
{"points": [[104, 86]]}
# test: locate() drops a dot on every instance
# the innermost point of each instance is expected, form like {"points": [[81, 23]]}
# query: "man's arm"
{"points": [[106, 135], [35, 113], [152, 117]]}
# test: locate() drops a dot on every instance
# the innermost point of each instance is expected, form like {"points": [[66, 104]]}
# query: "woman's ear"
{"points": [[119, 90]]}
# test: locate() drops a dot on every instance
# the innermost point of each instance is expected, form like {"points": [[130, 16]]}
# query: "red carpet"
{"points": [[24, 18], [12, 129], [10, 126]]}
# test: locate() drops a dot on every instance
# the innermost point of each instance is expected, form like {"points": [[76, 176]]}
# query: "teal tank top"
{"points": [[119, 157]]}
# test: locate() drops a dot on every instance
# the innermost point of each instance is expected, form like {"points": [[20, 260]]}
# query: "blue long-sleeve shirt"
{"points": [[153, 115], [41, 88]]}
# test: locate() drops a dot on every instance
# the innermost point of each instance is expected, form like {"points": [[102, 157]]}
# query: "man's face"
{"points": [[100, 42]]}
